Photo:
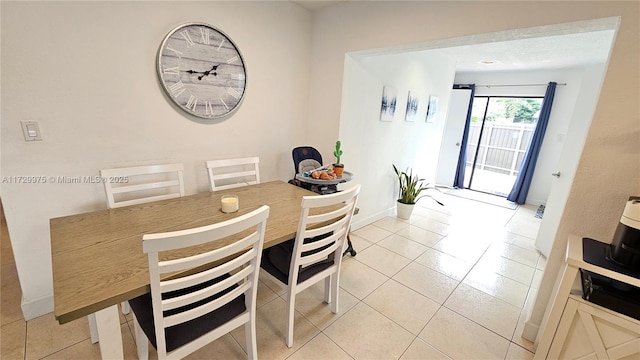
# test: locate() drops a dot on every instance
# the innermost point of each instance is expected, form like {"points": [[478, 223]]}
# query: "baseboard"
{"points": [[530, 331], [33, 309], [536, 202], [358, 222]]}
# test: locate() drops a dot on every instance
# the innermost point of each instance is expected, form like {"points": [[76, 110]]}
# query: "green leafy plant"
{"points": [[411, 186], [338, 152]]}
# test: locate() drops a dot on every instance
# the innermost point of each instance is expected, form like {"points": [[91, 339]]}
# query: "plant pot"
{"points": [[404, 210], [338, 169]]}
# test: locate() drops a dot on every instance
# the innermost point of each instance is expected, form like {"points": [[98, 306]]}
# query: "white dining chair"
{"points": [[141, 184], [316, 252], [208, 294], [232, 173], [137, 185]]}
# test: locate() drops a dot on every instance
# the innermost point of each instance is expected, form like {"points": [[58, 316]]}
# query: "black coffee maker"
{"points": [[622, 256], [625, 248]]}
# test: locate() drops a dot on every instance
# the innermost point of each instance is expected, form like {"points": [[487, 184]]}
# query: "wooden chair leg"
{"points": [[250, 335], [327, 290], [291, 312], [93, 328], [125, 307], [334, 290], [142, 343]]}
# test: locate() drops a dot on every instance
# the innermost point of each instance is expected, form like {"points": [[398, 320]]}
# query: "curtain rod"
{"points": [[512, 85]]}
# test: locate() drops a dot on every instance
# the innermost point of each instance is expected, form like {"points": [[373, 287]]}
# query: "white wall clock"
{"points": [[202, 70]]}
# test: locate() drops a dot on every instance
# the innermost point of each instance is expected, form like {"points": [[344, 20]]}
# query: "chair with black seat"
{"points": [[307, 158], [138, 185], [316, 252], [208, 294]]}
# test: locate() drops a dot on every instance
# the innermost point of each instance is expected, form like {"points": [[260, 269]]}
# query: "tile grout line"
{"points": [[472, 267]]}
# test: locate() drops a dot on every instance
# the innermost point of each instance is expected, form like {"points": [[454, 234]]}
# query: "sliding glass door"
{"points": [[499, 134]]}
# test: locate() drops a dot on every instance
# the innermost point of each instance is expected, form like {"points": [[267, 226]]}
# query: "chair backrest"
{"points": [[141, 184], [326, 218], [302, 153], [196, 289], [232, 173]]}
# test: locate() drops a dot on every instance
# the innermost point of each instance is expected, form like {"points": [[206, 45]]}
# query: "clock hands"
{"points": [[205, 73]]}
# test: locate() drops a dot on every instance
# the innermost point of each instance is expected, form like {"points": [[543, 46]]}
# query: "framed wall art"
{"points": [[432, 109], [412, 106], [388, 105]]}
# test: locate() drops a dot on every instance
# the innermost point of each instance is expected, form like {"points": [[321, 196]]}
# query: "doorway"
{"points": [[500, 130]]}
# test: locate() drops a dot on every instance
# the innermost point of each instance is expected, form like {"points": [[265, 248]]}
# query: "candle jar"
{"points": [[229, 203]]}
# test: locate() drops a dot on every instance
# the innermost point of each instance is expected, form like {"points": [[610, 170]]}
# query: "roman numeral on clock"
{"points": [[187, 37], [208, 108], [220, 46], [192, 103], [179, 53], [171, 70], [234, 93], [177, 89], [204, 34]]}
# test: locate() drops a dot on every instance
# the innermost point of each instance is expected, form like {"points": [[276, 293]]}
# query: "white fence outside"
{"points": [[502, 147], [500, 155]]}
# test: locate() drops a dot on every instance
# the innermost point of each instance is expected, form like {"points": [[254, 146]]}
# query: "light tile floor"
{"points": [[453, 282]]}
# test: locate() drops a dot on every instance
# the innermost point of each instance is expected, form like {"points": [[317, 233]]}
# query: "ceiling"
{"points": [[548, 52], [316, 5], [531, 53]]}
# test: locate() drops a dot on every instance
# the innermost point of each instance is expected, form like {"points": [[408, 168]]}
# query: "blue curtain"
{"points": [[458, 181], [523, 181]]}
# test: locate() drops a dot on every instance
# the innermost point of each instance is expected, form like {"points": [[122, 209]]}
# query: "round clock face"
{"points": [[202, 70]]}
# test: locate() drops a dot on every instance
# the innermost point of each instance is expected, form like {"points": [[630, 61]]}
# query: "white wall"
{"points": [[608, 170], [289, 56], [372, 146], [562, 112], [86, 72]]}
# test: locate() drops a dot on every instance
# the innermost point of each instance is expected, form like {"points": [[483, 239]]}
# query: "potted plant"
{"points": [[410, 188], [338, 167]]}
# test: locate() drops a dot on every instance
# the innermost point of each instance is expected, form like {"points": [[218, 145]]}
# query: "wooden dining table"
{"points": [[98, 260]]}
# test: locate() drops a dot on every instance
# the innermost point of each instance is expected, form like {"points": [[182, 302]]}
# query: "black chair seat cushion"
{"points": [[181, 334], [276, 260]]}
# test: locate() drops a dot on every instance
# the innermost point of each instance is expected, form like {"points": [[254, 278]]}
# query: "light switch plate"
{"points": [[31, 130]]}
